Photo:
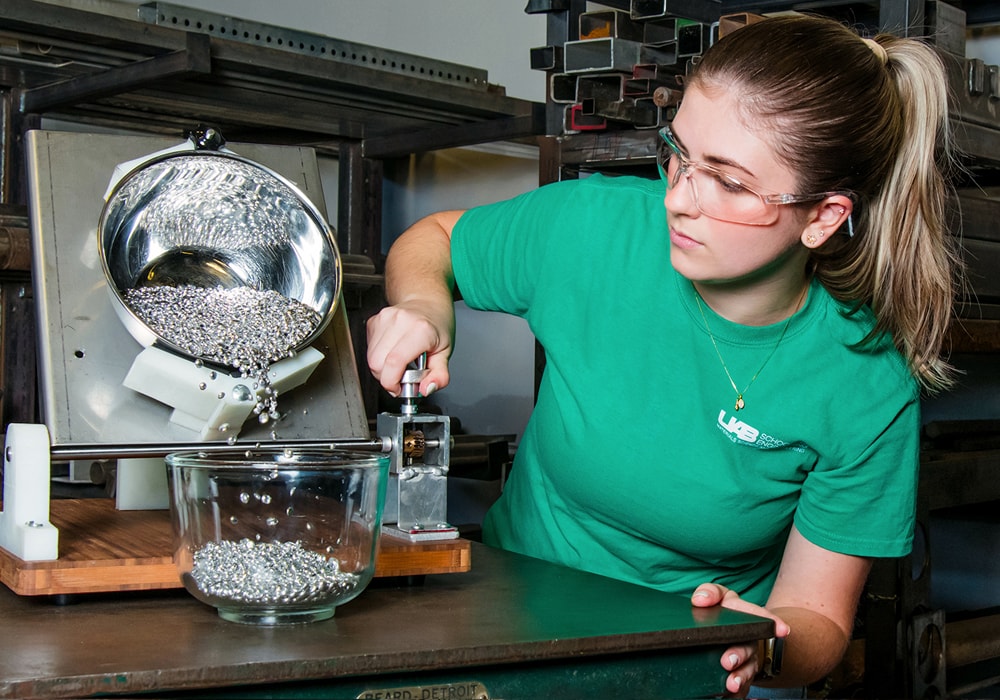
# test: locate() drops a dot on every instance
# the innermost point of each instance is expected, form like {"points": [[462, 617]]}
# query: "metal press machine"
{"points": [[113, 216]]}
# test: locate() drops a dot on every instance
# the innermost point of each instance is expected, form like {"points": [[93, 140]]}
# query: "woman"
{"points": [[730, 405]]}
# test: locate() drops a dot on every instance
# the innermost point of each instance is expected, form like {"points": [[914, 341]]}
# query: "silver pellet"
{"points": [[263, 573]]}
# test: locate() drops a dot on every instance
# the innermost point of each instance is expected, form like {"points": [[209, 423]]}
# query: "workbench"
{"points": [[511, 627]]}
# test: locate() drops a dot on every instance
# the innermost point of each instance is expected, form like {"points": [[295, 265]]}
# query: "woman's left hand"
{"points": [[741, 660]]}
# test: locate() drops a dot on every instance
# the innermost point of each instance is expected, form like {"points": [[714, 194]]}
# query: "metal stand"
{"points": [[25, 530], [416, 499], [213, 404]]}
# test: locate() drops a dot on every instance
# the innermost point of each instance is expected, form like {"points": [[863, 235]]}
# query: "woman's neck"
{"points": [[762, 304]]}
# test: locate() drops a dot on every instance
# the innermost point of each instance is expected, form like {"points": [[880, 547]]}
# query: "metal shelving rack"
{"points": [[901, 642]]}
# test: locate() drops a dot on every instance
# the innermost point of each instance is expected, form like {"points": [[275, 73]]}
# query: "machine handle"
{"points": [[410, 384]]}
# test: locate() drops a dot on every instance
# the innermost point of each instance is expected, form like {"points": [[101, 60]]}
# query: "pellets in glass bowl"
{"points": [[263, 573]]}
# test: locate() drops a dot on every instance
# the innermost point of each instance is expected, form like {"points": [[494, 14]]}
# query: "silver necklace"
{"points": [[740, 403]]}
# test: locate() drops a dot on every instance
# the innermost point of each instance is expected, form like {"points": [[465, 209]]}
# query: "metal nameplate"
{"points": [[462, 690]]}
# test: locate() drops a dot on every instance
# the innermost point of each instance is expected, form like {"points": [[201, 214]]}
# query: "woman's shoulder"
{"points": [[600, 185], [617, 185], [585, 196], [864, 350], [591, 209]]}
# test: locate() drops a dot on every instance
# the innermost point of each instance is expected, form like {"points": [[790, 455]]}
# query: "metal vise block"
{"points": [[417, 494]]}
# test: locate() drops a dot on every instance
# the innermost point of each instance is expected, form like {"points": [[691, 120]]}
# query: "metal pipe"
{"points": [[546, 58], [15, 239], [70, 452], [593, 55], [972, 640], [611, 23], [602, 88], [701, 10], [562, 88]]}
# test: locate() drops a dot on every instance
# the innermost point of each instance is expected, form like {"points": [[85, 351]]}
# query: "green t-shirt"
{"points": [[635, 464]]}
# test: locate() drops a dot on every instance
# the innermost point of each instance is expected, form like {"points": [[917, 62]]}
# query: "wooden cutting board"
{"points": [[102, 549]]}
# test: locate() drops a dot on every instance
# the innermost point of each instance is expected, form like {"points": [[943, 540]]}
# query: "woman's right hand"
{"points": [[399, 334], [421, 317]]}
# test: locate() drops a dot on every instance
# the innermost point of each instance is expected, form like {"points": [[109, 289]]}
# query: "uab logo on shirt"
{"points": [[746, 434]]}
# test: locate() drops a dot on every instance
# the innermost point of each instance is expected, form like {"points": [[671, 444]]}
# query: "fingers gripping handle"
{"points": [[410, 384]]}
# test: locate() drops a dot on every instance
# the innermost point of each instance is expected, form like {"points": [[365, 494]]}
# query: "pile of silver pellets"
{"points": [[262, 573], [239, 327]]}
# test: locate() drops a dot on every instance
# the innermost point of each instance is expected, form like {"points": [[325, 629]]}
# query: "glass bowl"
{"points": [[273, 537]]}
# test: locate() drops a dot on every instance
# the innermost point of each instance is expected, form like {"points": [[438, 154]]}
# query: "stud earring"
{"points": [[811, 239]]}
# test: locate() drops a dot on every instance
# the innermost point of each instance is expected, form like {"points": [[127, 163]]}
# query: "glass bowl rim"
{"points": [[271, 459]]}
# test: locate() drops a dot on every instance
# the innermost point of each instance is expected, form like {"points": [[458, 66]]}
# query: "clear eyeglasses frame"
{"points": [[720, 195]]}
